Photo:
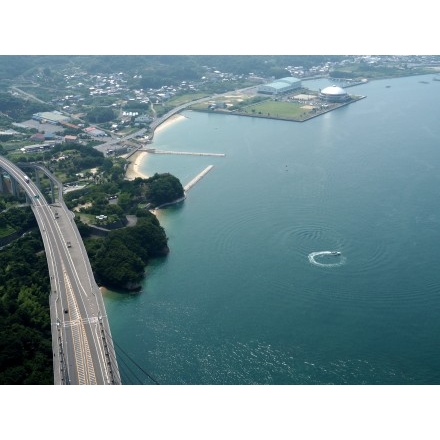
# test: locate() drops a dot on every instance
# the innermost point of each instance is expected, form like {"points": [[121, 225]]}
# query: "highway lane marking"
{"points": [[83, 358], [80, 321]]}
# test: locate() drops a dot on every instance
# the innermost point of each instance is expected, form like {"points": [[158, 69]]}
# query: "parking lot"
{"points": [[47, 128]]}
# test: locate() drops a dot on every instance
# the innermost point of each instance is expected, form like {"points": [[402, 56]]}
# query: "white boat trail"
{"points": [[339, 258]]}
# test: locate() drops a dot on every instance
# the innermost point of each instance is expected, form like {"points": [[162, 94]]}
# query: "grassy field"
{"points": [[263, 107], [88, 219], [259, 106], [269, 109], [183, 99], [276, 109]]}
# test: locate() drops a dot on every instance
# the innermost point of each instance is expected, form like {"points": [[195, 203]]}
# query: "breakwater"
{"points": [[186, 153], [199, 176]]}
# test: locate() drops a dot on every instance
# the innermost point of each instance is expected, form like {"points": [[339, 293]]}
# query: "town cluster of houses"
{"points": [[83, 87]]}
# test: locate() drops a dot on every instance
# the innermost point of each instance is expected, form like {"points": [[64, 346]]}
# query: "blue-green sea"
{"points": [[243, 298]]}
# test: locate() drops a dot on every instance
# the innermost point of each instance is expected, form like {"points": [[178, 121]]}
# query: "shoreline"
{"points": [[170, 121], [136, 159]]}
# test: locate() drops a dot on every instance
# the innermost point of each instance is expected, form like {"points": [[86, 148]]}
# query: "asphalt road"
{"points": [[83, 352]]}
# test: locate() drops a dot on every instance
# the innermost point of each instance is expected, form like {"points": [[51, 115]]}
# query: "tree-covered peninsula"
{"points": [[119, 258], [111, 212], [118, 248]]}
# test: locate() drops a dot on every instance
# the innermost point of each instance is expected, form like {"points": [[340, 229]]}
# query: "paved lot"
{"points": [[47, 128]]}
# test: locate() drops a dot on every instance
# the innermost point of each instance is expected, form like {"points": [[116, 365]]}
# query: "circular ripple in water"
{"points": [[327, 258]]}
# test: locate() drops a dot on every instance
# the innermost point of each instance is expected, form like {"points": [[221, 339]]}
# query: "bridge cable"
{"points": [[112, 356], [120, 360], [132, 360]]}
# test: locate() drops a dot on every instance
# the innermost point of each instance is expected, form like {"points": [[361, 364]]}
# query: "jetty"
{"points": [[187, 153], [190, 184], [186, 188]]}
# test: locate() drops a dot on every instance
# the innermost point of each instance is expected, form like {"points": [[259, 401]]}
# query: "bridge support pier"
{"points": [[37, 178], [52, 190], [14, 187]]}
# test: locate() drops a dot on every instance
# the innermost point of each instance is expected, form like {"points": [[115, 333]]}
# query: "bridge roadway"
{"points": [[83, 351]]}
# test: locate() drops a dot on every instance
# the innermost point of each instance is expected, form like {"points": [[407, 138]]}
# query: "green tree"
{"points": [[124, 201], [100, 114], [164, 188]]}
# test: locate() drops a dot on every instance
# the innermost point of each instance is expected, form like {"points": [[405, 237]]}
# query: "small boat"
{"points": [[336, 253]]}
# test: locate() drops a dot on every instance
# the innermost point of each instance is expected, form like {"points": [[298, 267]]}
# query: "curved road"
{"points": [[83, 352]]}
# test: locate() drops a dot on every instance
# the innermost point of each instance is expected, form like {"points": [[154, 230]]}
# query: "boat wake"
{"points": [[322, 258]]}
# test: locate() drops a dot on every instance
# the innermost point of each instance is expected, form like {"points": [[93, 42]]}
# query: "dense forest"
{"points": [[119, 259], [16, 219], [25, 333], [98, 115], [18, 109]]}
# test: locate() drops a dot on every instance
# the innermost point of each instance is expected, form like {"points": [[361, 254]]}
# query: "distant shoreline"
{"points": [[306, 118], [139, 157]]}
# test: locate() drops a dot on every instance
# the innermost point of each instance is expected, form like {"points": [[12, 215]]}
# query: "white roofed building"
{"points": [[54, 117], [334, 94]]}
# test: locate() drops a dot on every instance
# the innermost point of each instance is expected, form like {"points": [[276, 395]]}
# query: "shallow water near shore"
{"points": [[239, 300]]}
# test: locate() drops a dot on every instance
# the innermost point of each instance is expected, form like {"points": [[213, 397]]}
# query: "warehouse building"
{"points": [[54, 117], [282, 85]]}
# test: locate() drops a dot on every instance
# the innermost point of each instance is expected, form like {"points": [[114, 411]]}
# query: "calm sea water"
{"points": [[246, 296]]}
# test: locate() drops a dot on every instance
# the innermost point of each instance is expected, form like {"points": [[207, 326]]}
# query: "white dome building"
{"points": [[334, 94]]}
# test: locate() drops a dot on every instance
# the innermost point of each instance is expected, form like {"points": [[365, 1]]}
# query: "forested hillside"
{"points": [[155, 68], [25, 333]]}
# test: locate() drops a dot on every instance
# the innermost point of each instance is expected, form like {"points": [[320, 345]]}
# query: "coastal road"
{"points": [[83, 352]]}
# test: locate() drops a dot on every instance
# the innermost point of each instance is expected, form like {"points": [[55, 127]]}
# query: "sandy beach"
{"points": [[136, 160], [139, 157], [175, 118]]}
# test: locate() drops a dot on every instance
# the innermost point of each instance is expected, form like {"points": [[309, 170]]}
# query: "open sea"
{"points": [[250, 294]]}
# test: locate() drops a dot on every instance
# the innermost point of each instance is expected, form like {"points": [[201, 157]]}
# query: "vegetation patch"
{"points": [[6, 230], [119, 259], [373, 71], [183, 99], [25, 333]]}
